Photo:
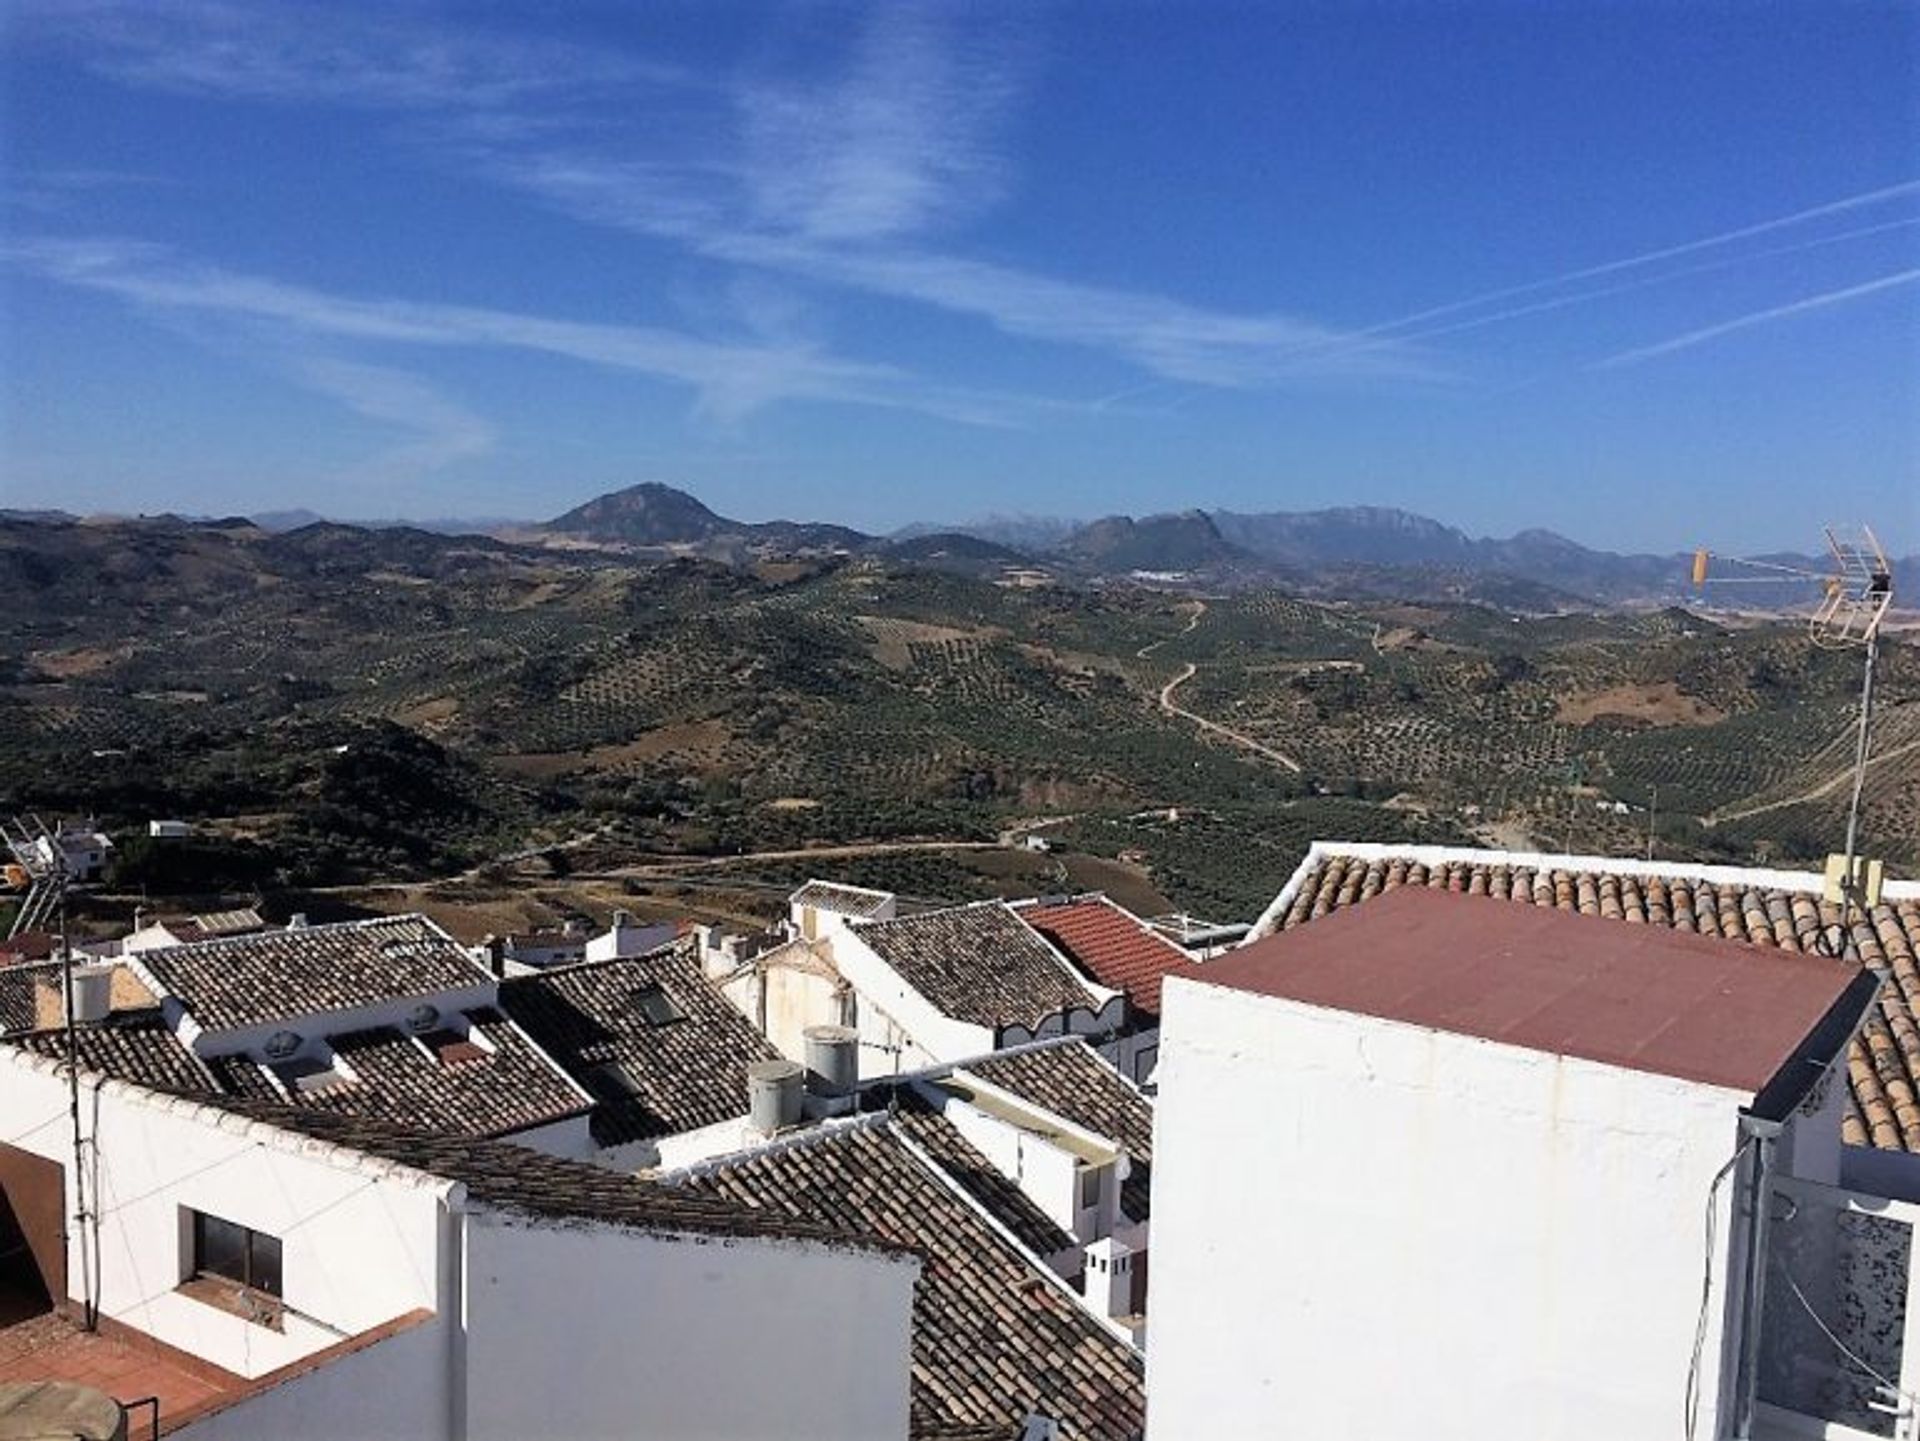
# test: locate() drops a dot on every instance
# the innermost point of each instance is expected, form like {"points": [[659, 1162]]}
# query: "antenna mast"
{"points": [[37, 850], [1856, 594]]}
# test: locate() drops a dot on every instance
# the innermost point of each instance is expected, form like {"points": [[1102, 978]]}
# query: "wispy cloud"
{"points": [[264, 50], [902, 141], [1590, 294], [730, 379], [838, 178], [1759, 317], [1165, 337], [440, 429]]}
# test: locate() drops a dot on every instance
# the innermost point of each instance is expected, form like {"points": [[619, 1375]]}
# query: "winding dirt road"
{"points": [[1187, 673], [1825, 788]]}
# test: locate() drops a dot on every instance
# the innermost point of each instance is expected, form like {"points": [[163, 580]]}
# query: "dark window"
{"points": [[308, 1075], [235, 1253], [611, 1081], [657, 1006]]}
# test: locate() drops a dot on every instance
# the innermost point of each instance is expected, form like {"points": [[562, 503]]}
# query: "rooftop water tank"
{"points": [[833, 1059], [773, 1095], [92, 993]]}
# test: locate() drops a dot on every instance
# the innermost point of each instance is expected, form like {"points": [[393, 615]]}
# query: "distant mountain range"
{"points": [[1357, 551]]}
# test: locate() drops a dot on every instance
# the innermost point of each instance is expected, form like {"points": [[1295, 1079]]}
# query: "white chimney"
{"points": [[1108, 1282]]}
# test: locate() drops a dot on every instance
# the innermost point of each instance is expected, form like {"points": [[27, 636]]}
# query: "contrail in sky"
{"points": [[1758, 317], [1648, 257]]}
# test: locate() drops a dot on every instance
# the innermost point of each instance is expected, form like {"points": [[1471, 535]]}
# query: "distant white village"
{"points": [[1447, 1143]]}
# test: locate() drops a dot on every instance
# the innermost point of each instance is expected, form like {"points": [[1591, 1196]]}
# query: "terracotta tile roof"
{"points": [[511, 1088], [490, 1092], [251, 980], [229, 923], [671, 1077], [978, 963], [134, 1046], [920, 1118], [1072, 1080], [994, 1336], [855, 901], [1112, 945], [1762, 908], [506, 1177], [19, 995], [29, 946]]}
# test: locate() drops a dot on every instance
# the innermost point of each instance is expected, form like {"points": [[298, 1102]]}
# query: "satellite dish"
{"points": [[423, 1018], [282, 1044]]}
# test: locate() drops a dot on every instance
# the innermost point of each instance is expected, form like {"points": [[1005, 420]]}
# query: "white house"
{"points": [[387, 1019], [664, 1057], [921, 989], [286, 1273], [1448, 1166], [82, 848], [626, 937], [998, 1336]]}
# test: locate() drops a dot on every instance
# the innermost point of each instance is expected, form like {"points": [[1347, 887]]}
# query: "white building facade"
{"points": [[1368, 1225], [403, 1302]]}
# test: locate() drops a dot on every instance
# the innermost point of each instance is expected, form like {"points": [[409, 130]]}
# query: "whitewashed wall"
{"points": [[891, 1011], [1367, 1229], [394, 1389], [570, 1139], [358, 1238], [697, 1340]]}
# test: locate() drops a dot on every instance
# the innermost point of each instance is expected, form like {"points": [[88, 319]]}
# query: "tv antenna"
{"points": [[1856, 592], [37, 852]]}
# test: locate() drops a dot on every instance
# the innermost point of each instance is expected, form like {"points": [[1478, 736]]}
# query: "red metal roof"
{"points": [[1642, 997], [1112, 945]]}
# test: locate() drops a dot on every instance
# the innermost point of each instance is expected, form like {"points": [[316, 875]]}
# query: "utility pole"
{"points": [[1653, 820]]}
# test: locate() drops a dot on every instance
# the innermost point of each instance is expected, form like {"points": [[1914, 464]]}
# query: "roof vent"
{"points": [[282, 1044]]}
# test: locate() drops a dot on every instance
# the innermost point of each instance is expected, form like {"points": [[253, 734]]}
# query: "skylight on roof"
{"points": [[659, 1008]]}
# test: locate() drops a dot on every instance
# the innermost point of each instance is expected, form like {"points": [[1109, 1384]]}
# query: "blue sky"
{"points": [[1645, 274]]}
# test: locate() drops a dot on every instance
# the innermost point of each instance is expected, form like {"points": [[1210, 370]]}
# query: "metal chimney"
{"points": [[833, 1060], [92, 993], [774, 1089]]}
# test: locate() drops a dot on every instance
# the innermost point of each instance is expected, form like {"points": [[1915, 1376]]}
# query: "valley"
{"points": [[330, 706]]}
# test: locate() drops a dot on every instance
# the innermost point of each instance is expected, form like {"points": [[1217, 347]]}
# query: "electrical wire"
{"points": [[1706, 1291], [1842, 1347]]}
